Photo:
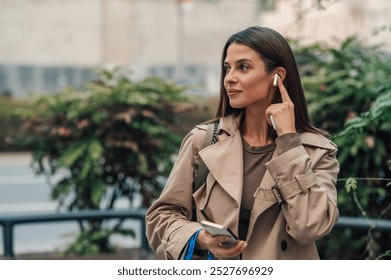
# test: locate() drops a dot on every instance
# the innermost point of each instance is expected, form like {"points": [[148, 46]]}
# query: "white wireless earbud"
{"points": [[275, 80]]}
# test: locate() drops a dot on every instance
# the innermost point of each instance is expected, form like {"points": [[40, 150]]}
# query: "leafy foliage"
{"points": [[112, 141], [349, 94], [95, 242], [9, 122]]}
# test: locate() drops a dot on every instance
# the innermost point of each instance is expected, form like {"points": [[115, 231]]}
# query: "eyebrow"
{"points": [[240, 61]]}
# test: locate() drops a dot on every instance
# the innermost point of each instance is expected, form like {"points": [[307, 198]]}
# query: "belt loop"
{"points": [[277, 195], [298, 179]]}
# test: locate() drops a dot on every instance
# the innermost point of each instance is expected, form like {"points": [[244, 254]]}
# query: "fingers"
{"points": [[282, 117], [206, 240], [284, 93], [216, 245], [273, 123], [222, 252], [203, 239]]}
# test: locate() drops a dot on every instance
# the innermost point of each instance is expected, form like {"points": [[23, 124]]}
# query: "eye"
{"points": [[227, 69], [243, 67]]}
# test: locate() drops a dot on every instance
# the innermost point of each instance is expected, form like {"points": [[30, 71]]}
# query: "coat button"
{"points": [[284, 245]]}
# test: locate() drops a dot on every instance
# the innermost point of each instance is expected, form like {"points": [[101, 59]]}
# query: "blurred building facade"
{"points": [[48, 44], [333, 21]]}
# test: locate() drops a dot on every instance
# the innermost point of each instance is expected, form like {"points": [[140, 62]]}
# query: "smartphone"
{"points": [[216, 229]]}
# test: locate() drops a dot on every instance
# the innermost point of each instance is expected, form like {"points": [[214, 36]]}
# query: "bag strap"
{"points": [[188, 254], [211, 137]]}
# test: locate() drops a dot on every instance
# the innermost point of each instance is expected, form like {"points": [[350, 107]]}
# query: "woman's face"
{"points": [[246, 81]]}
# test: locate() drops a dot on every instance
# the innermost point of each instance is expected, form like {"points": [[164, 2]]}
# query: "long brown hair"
{"points": [[276, 52]]}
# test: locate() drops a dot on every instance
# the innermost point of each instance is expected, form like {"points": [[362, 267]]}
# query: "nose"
{"points": [[230, 78]]}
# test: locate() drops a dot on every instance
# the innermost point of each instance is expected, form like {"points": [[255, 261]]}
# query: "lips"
{"points": [[233, 91]]}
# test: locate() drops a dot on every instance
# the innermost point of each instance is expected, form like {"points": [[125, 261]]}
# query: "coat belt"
{"points": [[278, 194]]}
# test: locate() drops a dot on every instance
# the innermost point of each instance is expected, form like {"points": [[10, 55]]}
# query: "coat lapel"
{"points": [[225, 162]]}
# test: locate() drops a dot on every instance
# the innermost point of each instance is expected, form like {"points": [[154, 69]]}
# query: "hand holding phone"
{"points": [[218, 230]]}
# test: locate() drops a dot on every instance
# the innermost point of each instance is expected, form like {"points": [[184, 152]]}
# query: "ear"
{"points": [[281, 72]]}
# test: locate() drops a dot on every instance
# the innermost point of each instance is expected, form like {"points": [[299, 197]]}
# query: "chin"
{"points": [[236, 105]]}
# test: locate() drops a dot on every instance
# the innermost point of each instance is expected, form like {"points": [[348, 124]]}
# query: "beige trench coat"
{"points": [[305, 177]]}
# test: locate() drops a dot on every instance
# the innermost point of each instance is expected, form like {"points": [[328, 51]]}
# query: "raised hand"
{"points": [[282, 115]]}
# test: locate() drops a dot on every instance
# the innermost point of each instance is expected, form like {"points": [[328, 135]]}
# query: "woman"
{"points": [[273, 187]]}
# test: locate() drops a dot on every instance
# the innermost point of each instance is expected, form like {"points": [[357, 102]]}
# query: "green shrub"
{"points": [[349, 93], [111, 141], [10, 122]]}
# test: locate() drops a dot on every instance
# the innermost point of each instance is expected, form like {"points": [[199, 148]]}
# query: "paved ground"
{"points": [[14, 158], [21, 191], [122, 254]]}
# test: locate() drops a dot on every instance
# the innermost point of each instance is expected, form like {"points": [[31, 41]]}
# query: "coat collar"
{"points": [[230, 124], [225, 159]]}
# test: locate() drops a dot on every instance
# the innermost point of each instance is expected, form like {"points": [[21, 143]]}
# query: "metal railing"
{"points": [[362, 223], [10, 221]]}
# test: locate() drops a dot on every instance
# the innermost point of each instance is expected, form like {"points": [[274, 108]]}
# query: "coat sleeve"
{"points": [[168, 220], [308, 187]]}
